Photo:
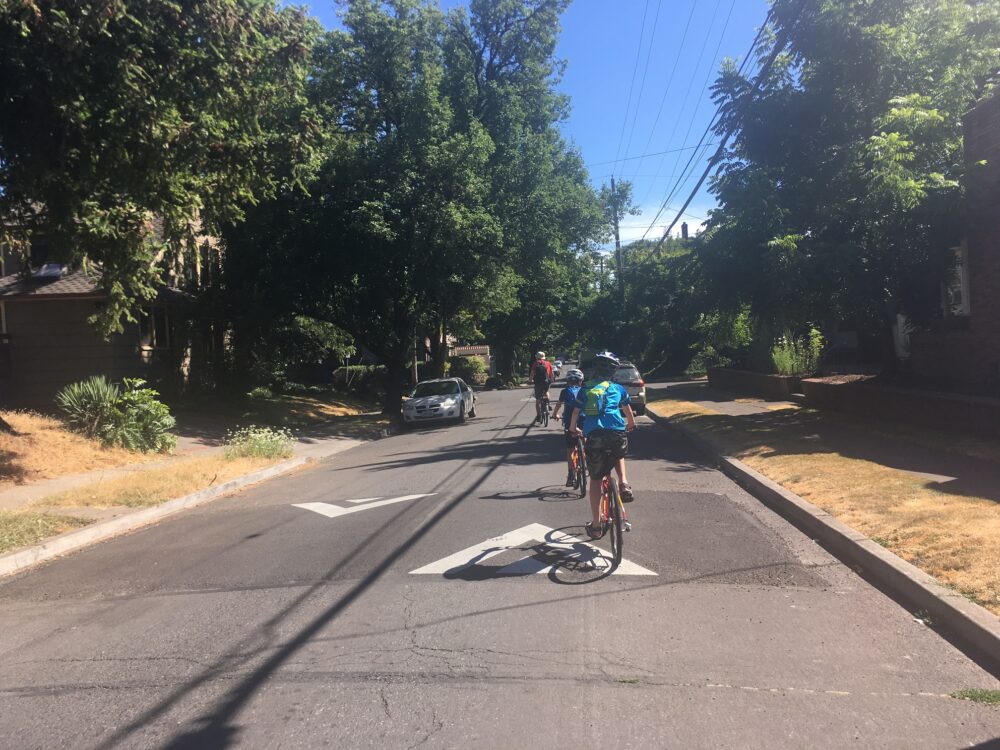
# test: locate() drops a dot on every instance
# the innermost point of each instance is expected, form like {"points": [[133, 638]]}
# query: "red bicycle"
{"points": [[613, 517]]}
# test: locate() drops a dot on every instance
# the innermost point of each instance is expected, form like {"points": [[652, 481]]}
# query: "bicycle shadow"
{"points": [[561, 555], [554, 493]]}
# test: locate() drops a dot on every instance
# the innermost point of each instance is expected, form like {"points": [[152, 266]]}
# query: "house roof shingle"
{"points": [[72, 284]]}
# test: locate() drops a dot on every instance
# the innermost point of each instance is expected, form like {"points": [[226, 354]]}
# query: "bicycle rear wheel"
{"points": [[545, 414], [617, 523], [581, 467]]}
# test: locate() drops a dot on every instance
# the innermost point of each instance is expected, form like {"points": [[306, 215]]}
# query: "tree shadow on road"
{"points": [[216, 729]]}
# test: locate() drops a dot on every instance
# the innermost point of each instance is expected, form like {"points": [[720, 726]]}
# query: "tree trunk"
{"points": [[439, 349], [890, 362]]}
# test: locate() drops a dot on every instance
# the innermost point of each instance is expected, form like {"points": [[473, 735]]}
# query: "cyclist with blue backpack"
{"points": [[567, 402], [604, 410]]}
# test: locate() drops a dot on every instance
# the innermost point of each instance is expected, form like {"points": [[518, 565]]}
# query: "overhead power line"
{"points": [[631, 86], [645, 70], [704, 87], [749, 96], [643, 156], [686, 98], [670, 82]]}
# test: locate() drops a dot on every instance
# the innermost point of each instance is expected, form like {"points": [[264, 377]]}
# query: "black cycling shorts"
{"points": [[604, 448], [541, 389]]}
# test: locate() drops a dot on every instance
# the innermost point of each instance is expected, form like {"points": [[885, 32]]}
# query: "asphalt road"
{"points": [[252, 622]]}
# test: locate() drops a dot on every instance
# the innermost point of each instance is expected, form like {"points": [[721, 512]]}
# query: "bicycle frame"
{"points": [[606, 505]]}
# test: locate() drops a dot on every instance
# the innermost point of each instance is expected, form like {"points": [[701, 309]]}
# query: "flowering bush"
{"points": [[258, 442], [797, 356]]}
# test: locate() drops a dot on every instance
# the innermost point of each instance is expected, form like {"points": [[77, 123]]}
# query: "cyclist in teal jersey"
{"points": [[604, 410]]}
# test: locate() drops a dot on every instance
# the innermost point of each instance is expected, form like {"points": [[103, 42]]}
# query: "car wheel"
{"points": [[461, 413], [472, 411]]}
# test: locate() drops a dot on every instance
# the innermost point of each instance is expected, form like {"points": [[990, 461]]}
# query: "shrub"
{"points": [[258, 442], [469, 369], [88, 406], [260, 393], [365, 380], [131, 417], [141, 421], [797, 356], [493, 381]]}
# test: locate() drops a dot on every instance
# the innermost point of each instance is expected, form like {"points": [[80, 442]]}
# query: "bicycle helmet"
{"points": [[539, 355], [605, 363], [574, 376]]}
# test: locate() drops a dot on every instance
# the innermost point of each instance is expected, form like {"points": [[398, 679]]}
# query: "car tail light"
{"points": [[642, 383]]}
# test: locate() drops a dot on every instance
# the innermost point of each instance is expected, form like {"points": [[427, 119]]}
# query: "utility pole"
{"points": [[618, 245]]}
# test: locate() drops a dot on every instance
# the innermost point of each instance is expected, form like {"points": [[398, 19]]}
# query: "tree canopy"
{"points": [[127, 128]]}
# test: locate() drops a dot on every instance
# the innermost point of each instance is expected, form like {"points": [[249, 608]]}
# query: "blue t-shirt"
{"points": [[600, 402], [567, 397]]}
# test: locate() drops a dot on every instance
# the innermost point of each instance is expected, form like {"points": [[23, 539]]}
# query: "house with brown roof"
{"points": [[47, 341]]}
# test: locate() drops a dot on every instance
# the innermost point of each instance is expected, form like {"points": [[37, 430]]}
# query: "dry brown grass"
{"points": [[44, 449], [154, 486], [22, 528], [954, 537]]}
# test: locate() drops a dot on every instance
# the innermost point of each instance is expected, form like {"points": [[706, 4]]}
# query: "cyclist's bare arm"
{"points": [[555, 411], [629, 417], [572, 421]]}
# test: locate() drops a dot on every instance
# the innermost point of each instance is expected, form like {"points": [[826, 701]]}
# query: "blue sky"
{"points": [[638, 85]]}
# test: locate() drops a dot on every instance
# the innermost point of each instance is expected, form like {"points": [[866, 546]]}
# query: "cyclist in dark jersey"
{"points": [[541, 377]]}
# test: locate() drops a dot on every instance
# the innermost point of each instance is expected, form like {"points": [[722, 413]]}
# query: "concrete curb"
{"points": [[15, 562], [972, 625]]}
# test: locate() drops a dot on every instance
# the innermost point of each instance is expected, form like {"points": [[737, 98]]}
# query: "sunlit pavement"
{"points": [[437, 587]]}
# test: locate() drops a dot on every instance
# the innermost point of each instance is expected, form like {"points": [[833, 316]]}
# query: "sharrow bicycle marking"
{"points": [[333, 511], [551, 548]]}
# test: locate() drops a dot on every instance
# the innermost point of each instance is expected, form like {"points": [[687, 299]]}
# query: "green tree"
{"points": [[840, 188], [118, 113]]}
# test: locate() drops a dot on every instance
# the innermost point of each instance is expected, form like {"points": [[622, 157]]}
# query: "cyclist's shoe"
{"points": [[626, 492], [571, 479], [538, 419], [594, 532]]}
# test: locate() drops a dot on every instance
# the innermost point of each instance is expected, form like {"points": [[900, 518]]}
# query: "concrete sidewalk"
{"points": [[952, 470]]}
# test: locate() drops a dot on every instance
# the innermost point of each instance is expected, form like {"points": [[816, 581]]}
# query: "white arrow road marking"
{"points": [[332, 511], [567, 548]]}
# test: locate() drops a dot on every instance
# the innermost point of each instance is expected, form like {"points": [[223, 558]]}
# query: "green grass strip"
{"points": [[989, 697], [24, 528]]}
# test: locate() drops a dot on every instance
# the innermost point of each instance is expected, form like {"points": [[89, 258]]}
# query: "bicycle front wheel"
{"points": [[581, 468], [617, 521]]}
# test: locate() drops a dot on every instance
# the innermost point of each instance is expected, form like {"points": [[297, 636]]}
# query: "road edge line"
{"points": [[29, 557], [972, 624]]}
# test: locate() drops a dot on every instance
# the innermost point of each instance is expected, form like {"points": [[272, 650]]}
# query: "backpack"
{"points": [[600, 399], [541, 372]]}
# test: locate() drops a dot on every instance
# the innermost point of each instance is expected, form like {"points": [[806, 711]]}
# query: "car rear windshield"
{"points": [[443, 388], [627, 375]]}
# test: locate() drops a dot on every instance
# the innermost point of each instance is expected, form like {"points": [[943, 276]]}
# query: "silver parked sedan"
{"points": [[628, 377], [446, 398]]}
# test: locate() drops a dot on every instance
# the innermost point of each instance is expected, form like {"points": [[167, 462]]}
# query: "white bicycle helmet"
{"points": [[574, 375], [539, 355], [606, 363]]}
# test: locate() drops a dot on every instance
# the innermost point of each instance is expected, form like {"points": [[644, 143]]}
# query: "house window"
{"points": [[154, 328], [955, 291]]}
